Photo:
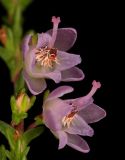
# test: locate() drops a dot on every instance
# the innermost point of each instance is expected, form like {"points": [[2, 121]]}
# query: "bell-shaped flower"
{"points": [[67, 119], [48, 59]]}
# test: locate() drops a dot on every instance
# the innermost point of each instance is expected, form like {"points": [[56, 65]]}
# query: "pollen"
{"points": [[67, 120], [46, 57]]}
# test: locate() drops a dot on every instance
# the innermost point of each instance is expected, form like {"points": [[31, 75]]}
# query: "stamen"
{"points": [[67, 120], [46, 56], [55, 22]]}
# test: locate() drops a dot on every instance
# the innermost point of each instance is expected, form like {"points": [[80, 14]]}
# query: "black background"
{"points": [[96, 43]]}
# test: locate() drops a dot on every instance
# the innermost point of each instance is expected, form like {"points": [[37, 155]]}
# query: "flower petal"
{"points": [[39, 73], [78, 143], [72, 74], [35, 85], [53, 113], [60, 91], [43, 40], [67, 60], [65, 39], [80, 127], [82, 102], [92, 113], [62, 138], [25, 44]]}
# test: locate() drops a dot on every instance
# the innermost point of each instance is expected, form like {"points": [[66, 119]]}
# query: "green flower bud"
{"points": [[20, 105]]}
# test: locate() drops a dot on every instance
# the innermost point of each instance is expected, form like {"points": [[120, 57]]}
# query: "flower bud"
{"points": [[20, 105]]}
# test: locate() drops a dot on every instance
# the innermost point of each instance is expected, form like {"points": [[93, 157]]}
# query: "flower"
{"points": [[67, 119], [49, 59]]}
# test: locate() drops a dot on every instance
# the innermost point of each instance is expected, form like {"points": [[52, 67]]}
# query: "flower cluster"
{"points": [[49, 59]]}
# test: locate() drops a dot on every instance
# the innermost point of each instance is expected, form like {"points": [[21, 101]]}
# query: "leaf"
{"points": [[2, 153], [8, 5], [8, 154], [46, 94], [25, 3], [19, 83], [32, 101], [10, 40], [5, 54], [17, 25], [24, 154], [13, 104], [31, 134], [38, 120], [8, 132]]}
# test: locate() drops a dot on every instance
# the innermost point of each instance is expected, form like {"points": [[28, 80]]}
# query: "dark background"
{"points": [[96, 43]]}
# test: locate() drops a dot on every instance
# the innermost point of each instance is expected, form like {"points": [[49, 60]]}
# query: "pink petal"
{"points": [[80, 127], [25, 44], [67, 60], [65, 39], [60, 91], [43, 40], [62, 139], [35, 85], [78, 143], [72, 74], [82, 102], [53, 113], [39, 73], [92, 113]]}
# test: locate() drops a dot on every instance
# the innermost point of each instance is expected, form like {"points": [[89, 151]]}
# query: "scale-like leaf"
{"points": [[8, 132], [31, 134]]}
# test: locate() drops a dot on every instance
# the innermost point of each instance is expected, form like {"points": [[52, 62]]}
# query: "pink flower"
{"points": [[67, 119], [49, 59]]}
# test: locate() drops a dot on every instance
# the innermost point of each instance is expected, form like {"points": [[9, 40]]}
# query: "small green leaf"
{"points": [[10, 155], [10, 40], [46, 94], [13, 104], [17, 25], [32, 100], [5, 54], [2, 153], [31, 134], [38, 120], [25, 3], [24, 153], [8, 5], [8, 132], [19, 83]]}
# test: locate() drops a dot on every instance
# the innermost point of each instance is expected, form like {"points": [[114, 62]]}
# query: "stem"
{"points": [[19, 127], [32, 125], [36, 123]]}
